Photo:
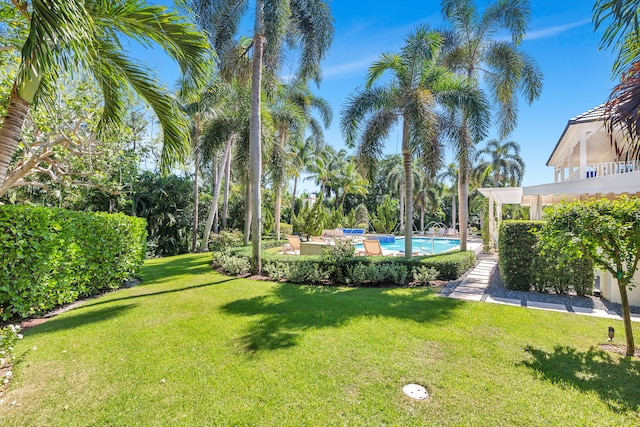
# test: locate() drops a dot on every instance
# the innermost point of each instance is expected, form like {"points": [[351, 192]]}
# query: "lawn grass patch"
{"points": [[240, 352]]}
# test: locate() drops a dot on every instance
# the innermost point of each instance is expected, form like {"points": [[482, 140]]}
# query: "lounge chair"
{"points": [[372, 248], [294, 242], [317, 239], [452, 232], [432, 231]]}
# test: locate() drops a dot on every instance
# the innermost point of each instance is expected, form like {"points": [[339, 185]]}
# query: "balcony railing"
{"points": [[605, 169], [611, 168]]}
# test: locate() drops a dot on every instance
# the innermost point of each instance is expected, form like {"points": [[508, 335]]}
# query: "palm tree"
{"points": [[351, 182], [473, 50], [507, 167], [410, 97], [450, 174], [308, 22], [622, 111], [85, 36], [300, 154], [291, 115]]}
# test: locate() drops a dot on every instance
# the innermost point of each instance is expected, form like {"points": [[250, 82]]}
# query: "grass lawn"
{"points": [[191, 347]]}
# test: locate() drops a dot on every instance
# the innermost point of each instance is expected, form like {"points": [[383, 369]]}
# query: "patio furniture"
{"points": [[372, 248], [314, 248], [294, 242], [452, 232]]}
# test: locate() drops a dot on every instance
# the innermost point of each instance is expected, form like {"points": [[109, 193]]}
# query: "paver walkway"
{"points": [[473, 287]]}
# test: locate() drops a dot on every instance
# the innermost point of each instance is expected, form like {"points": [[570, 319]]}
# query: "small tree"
{"points": [[607, 232]]}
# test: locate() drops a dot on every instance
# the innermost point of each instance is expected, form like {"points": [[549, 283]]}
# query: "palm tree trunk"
{"points": [[213, 209], [247, 216], [453, 210], [463, 183], [10, 131], [225, 203], [255, 154], [293, 199], [278, 203], [194, 242], [278, 193], [422, 219], [408, 187]]}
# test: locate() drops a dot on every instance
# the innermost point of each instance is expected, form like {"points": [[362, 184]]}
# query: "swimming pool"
{"points": [[424, 245]]}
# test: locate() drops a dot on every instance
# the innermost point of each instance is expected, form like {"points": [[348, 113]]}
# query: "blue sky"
{"points": [[577, 75]]}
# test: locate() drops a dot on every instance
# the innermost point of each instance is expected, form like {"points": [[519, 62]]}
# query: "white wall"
{"points": [[611, 292]]}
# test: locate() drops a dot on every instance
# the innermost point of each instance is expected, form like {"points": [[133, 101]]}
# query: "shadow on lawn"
{"points": [[290, 310], [80, 317], [615, 379], [166, 269]]}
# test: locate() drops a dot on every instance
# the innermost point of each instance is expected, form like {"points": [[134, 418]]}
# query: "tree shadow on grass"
{"points": [[290, 310], [615, 379], [80, 317], [164, 270]]}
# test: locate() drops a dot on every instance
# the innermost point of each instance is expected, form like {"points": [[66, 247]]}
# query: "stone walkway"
{"points": [[474, 286]]}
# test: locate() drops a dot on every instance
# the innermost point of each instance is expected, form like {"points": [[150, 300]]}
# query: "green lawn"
{"points": [[191, 347]]}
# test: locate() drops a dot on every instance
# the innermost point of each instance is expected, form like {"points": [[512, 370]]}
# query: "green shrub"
{"points": [[355, 271], [54, 256], [225, 240], [423, 275], [229, 264], [451, 265], [285, 229], [517, 261], [553, 270], [525, 263]]}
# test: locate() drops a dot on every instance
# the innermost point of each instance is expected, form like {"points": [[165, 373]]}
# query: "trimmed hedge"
{"points": [[517, 258], [524, 265], [313, 269], [54, 256]]}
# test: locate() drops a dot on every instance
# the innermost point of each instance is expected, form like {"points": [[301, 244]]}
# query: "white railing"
{"points": [[611, 168]]}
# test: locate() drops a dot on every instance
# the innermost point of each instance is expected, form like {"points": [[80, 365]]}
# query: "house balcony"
{"points": [[594, 170]]}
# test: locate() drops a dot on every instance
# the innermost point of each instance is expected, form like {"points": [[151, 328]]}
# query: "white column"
{"points": [[583, 154]]}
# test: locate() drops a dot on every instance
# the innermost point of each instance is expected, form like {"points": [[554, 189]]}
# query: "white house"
{"points": [[586, 165]]}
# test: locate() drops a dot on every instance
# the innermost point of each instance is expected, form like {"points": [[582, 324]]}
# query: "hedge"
{"points": [[517, 242], [523, 265], [54, 256], [450, 265]]}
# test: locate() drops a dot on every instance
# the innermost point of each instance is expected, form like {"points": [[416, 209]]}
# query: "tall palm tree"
{"points": [[473, 51], [307, 22], [86, 36], [291, 114], [409, 97], [507, 167]]}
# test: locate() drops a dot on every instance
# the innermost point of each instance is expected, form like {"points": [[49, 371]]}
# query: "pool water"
{"points": [[424, 245]]}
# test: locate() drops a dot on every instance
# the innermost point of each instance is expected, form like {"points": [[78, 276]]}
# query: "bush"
{"points": [[517, 261], [423, 275], [285, 229], [356, 271], [225, 240], [451, 265], [229, 264], [54, 256], [525, 263]]}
